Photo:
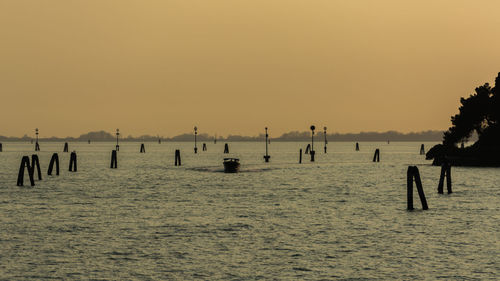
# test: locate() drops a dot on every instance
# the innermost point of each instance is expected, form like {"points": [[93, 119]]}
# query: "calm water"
{"points": [[342, 217]]}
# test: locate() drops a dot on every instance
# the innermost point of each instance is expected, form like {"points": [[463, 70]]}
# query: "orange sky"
{"points": [[234, 66]]}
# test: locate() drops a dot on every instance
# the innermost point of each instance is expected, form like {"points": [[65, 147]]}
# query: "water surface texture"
{"points": [[341, 217]]}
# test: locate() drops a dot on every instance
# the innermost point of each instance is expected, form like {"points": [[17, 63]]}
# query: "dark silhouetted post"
{"points": [[324, 134], [37, 146], [376, 156], [25, 163], [266, 157], [89, 141], [215, 139], [445, 171], [72, 162], [312, 152], [65, 147], [36, 163], [226, 148], [204, 147], [143, 149], [177, 157], [54, 159], [414, 174], [117, 134], [114, 160], [300, 156], [159, 141], [357, 146], [422, 149], [1, 148], [195, 142], [308, 148]]}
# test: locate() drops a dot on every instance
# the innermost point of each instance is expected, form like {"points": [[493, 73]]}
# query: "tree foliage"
{"points": [[479, 113]]}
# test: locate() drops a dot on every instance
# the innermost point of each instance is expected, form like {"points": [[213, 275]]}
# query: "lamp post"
{"points": [[324, 133], [195, 142], [117, 135], [266, 157], [312, 152]]}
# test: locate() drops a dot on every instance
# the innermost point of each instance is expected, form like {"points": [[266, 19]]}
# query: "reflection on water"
{"points": [[342, 216]]}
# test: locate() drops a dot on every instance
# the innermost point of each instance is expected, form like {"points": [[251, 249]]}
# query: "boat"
{"points": [[231, 165]]}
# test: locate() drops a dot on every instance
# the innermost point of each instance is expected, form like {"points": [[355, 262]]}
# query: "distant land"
{"points": [[290, 136]]}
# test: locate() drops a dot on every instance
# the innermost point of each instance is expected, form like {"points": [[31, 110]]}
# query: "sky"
{"points": [[234, 67]]}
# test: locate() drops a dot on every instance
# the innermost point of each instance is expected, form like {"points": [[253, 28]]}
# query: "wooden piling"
{"points": [[308, 149], [177, 157], [25, 163], [422, 149], [376, 156], [226, 148], [1, 148], [117, 147], [54, 159], [445, 172], [204, 148], [114, 160], [300, 156], [143, 149], [37, 147], [65, 147], [72, 162], [36, 163], [357, 146], [312, 153], [414, 174]]}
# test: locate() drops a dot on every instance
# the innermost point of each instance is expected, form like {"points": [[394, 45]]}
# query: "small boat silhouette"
{"points": [[231, 165]]}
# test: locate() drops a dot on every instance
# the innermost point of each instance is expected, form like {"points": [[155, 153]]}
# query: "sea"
{"points": [[341, 217]]}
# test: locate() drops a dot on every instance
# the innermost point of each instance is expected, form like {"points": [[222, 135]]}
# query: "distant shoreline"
{"points": [[102, 136]]}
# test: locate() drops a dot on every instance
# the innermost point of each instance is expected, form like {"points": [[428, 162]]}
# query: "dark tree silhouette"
{"points": [[479, 113]]}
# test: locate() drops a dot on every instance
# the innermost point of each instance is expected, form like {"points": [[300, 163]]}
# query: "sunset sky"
{"points": [[234, 66]]}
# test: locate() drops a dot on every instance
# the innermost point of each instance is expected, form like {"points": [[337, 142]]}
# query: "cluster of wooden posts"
{"points": [[413, 174]]}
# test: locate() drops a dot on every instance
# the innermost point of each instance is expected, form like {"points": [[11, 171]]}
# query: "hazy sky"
{"points": [[233, 66]]}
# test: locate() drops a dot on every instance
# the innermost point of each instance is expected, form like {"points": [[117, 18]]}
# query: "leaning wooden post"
{"points": [[65, 147], [36, 163], [412, 174], [308, 148], [422, 150], [177, 157], [143, 149], [300, 156], [72, 162], [55, 158], [25, 163], [357, 146], [376, 156], [226, 148], [114, 160]]}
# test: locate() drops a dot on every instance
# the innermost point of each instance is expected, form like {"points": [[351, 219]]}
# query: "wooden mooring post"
{"points": [[35, 162], [226, 148], [143, 149], [25, 163], [54, 159], [376, 156], [114, 160], [177, 157], [65, 147], [422, 149], [414, 174], [72, 162], [204, 148], [445, 171], [300, 156], [357, 146]]}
